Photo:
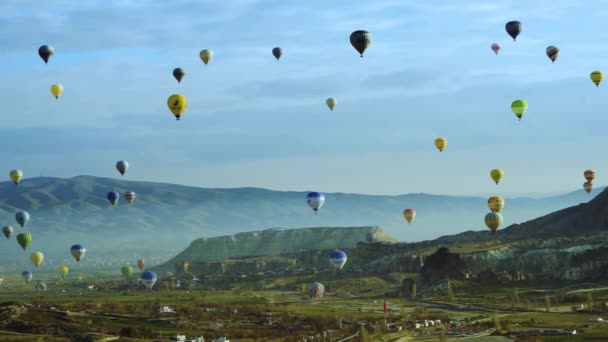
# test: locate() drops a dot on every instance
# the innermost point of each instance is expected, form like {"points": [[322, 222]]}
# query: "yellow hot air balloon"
{"points": [[493, 221], [496, 175], [56, 90], [496, 203], [36, 258], [589, 175], [597, 77], [331, 103], [409, 214], [16, 176], [177, 104], [63, 271], [441, 143], [206, 56]]}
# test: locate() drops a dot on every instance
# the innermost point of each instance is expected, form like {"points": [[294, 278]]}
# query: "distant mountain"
{"points": [[165, 218]]}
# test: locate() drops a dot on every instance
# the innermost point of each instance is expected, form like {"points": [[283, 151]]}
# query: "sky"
{"points": [[253, 121]]}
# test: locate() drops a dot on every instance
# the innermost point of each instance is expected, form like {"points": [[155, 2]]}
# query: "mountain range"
{"points": [[165, 218]]}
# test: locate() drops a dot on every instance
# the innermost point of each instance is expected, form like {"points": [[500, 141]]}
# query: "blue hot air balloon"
{"points": [[315, 200], [113, 197], [22, 218], [27, 276], [337, 259], [78, 252], [149, 279]]}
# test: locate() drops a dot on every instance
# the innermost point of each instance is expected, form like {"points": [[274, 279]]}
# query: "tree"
{"points": [[450, 293], [497, 325], [516, 296], [442, 337], [589, 301], [547, 302], [363, 334], [414, 291]]}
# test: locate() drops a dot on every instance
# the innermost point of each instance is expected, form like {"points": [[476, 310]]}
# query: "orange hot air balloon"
{"points": [[589, 175], [409, 214], [140, 264]]}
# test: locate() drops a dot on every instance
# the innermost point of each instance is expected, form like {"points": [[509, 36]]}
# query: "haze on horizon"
{"points": [[253, 121]]}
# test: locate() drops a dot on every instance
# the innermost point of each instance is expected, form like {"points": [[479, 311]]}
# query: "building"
{"points": [[221, 339], [166, 309], [182, 338]]}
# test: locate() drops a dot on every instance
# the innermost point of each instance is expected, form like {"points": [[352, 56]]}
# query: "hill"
{"points": [[165, 218]]}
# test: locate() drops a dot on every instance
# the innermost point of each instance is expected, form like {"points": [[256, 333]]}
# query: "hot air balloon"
{"points": [[277, 52], [496, 175], [597, 77], [360, 40], [27, 276], [337, 259], [317, 290], [7, 231], [315, 200], [495, 47], [129, 197], [588, 186], [24, 240], [493, 221], [56, 90], [206, 56], [113, 197], [331, 103], [552, 53], [370, 237], [179, 73], [177, 105], [36, 258], [63, 271], [589, 175], [40, 286], [496, 203], [22, 217], [441, 143], [122, 166], [46, 52], [519, 108], [513, 29], [149, 279], [78, 252], [409, 215], [140, 264], [126, 271], [16, 176]]}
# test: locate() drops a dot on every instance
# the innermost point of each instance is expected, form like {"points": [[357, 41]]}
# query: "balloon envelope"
{"points": [[588, 186], [277, 52], [122, 166], [15, 176], [113, 197], [27, 276], [441, 143], [331, 103], [317, 290], [179, 73], [78, 252], [149, 279], [126, 271], [46, 52], [130, 196], [140, 264], [409, 214], [315, 200], [597, 77], [7, 231], [519, 108], [36, 258], [496, 175], [552, 53], [589, 175], [495, 47], [360, 40], [24, 240], [493, 221], [22, 217], [513, 28], [177, 104], [337, 259], [63, 271], [206, 56], [56, 90], [496, 203]]}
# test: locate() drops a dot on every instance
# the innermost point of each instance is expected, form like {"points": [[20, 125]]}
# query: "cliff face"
{"points": [[274, 242]]}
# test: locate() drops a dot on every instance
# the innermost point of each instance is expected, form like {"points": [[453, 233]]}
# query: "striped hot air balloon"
{"points": [[130, 196]]}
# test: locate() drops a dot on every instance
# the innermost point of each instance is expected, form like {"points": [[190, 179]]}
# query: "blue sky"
{"points": [[253, 121]]}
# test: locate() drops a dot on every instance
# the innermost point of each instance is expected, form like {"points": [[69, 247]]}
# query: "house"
{"points": [[182, 338], [166, 309], [221, 339]]}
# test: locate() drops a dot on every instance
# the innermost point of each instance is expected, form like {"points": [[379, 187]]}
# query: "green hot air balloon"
{"points": [[493, 221], [519, 107], [126, 271], [24, 239]]}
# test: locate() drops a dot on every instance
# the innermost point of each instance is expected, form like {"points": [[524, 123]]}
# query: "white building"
{"points": [[182, 338], [221, 339], [166, 309]]}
